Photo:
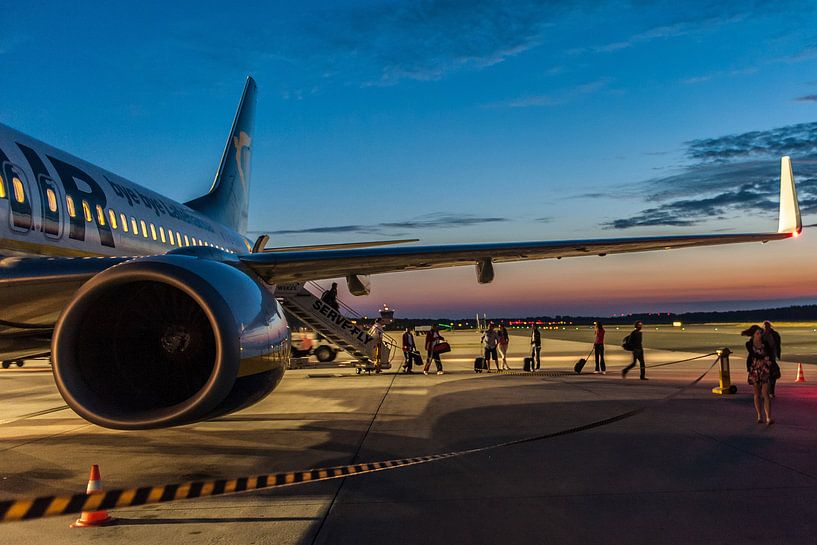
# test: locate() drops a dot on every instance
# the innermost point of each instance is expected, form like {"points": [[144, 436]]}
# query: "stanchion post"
{"points": [[726, 386]]}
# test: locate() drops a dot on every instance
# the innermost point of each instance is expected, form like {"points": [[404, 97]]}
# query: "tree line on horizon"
{"points": [[795, 313]]}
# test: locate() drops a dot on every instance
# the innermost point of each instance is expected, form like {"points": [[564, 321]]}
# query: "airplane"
{"points": [[158, 313]]}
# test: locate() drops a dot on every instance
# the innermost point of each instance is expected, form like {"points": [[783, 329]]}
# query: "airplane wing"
{"points": [[290, 266]]}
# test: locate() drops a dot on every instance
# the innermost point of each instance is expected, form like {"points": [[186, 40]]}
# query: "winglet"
{"points": [[789, 208]]}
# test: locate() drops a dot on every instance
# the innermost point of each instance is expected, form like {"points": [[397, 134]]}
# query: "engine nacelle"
{"points": [[168, 340]]}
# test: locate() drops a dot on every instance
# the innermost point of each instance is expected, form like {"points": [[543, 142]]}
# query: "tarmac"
{"points": [[695, 468]]}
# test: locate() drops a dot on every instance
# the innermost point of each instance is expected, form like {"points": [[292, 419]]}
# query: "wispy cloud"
{"points": [[378, 45], [699, 20], [748, 71], [427, 221], [557, 98], [807, 98], [734, 172]]}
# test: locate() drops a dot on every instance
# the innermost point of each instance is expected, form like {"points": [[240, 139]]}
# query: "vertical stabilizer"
{"points": [[228, 199], [790, 221]]}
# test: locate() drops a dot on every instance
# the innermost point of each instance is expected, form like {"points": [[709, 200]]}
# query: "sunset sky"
{"points": [[459, 121]]}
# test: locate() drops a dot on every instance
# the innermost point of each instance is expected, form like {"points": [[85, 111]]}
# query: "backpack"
{"points": [[625, 343]]}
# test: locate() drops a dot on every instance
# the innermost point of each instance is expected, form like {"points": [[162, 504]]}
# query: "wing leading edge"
{"points": [[292, 266]]}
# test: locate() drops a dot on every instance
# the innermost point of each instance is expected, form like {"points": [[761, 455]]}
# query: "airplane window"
{"points": [[144, 228], [112, 215], [19, 191], [52, 199], [172, 239], [135, 226], [186, 241], [100, 215], [124, 222], [162, 234], [2, 188], [69, 202], [153, 231], [195, 243], [86, 209]]}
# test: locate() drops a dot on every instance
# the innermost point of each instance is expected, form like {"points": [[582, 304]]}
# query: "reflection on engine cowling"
{"points": [[169, 340]]}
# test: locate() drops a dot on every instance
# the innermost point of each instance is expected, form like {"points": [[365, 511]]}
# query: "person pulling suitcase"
{"points": [[410, 352]]}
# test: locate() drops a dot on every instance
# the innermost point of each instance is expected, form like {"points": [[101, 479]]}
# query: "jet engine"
{"points": [[168, 340]]}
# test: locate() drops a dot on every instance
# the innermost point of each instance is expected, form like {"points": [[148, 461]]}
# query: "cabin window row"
{"points": [[135, 227], [168, 236]]}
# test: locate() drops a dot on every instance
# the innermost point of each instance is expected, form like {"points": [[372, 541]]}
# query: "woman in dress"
{"points": [[758, 364]]}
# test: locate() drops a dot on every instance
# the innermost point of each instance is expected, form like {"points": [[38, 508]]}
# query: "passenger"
{"points": [[535, 345], [432, 338], [490, 339], [504, 340], [758, 364], [637, 347], [598, 348], [773, 338], [409, 349], [330, 296], [376, 332]]}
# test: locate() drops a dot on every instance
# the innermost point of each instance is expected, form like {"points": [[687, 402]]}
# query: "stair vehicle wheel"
{"points": [[6, 364], [19, 363], [324, 353]]}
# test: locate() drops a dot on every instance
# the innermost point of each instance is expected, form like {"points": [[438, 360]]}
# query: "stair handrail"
{"points": [[387, 339]]}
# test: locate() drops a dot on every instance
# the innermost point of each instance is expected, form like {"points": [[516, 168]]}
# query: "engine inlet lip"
{"points": [[215, 308]]}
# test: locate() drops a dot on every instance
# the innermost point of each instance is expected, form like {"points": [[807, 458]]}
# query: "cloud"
{"points": [[556, 99], [800, 139], [730, 173], [427, 221], [378, 45], [701, 20], [807, 98], [720, 74]]}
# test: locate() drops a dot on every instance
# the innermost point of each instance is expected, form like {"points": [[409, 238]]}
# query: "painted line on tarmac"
{"points": [[51, 506], [32, 415]]}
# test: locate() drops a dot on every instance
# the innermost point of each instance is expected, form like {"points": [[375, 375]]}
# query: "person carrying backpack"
{"points": [[633, 343]]}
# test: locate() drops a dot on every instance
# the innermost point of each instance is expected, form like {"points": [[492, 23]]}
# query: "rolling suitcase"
{"points": [[480, 365], [418, 359], [580, 364], [528, 364]]}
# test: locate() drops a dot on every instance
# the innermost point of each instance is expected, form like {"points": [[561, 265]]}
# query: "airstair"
{"points": [[343, 327]]}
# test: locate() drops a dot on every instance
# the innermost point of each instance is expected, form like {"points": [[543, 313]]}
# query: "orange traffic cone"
{"points": [[800, 376], [93, 518]]}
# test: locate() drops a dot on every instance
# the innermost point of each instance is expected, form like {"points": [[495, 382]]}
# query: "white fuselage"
{"points": [[52, 203]]}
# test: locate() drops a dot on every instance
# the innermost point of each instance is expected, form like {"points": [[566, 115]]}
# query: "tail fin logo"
{"points": [[241, 143]]}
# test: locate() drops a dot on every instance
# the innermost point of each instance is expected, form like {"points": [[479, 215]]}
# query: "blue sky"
{"points": [[451, 121]]}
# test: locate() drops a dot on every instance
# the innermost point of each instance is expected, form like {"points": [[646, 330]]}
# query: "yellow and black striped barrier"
{"points": [[52, 506]]}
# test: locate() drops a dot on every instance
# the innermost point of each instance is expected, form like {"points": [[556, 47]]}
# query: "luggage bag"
{"points": [[480, 365], [580, 364], [528, 364]]}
